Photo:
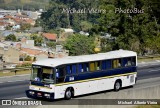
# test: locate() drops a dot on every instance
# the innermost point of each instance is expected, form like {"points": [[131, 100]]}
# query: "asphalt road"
{"points": [[12, 90]]}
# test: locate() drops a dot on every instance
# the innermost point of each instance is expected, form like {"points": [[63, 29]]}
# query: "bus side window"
{"points": [[85, 67], [104, 65], [129, 62], [124, 62], [97, 65], [74, 69], [69, 69], [80, 68], [115, 63], [108, 64], [133, 61], [91, 66], [119, 63]]}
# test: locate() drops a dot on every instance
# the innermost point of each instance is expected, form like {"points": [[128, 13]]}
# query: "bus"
{"points": [[55, 78]]}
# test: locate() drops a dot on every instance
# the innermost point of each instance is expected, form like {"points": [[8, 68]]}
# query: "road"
{"points": [[12, 90]]}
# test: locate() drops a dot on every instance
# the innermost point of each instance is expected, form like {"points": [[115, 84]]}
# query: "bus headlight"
{"points": [[47, 95], [31, 92]]}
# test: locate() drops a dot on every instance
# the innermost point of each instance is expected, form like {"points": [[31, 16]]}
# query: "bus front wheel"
{"points": [[117, 85], [68, 93]]}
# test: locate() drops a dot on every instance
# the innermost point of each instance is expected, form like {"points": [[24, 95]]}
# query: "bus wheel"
{"points": [[117, 85], [68, 94]]}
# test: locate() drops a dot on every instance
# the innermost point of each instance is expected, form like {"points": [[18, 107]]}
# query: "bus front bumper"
{"points": [[39, 94]]}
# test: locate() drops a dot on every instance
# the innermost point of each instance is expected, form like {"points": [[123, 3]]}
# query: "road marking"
{"points": [[14, 81], [22, 98], [154, 70]]}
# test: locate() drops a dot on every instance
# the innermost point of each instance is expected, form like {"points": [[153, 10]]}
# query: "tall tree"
{"points": [[80, 45], [11, 37]]}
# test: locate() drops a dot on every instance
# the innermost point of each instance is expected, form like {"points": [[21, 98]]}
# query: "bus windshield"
{"points": [[42, 74]]}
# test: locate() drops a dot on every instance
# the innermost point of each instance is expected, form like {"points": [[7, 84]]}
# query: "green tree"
{"points": [[51, 44], [11, 37], [28, 58], [80, 44], [25, 27], [131, 29], [38, 40], [57, 16], [85, 26]]}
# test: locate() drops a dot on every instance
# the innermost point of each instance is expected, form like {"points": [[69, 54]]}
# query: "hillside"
{"points": [[23, 4]]}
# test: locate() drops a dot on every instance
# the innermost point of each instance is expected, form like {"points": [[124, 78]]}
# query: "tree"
{"points": [[28, 58], [11, 37], [38, 40], [57, 15], [130, 29], [25, 27], [80, 44], [85, 26], [51, 44]]}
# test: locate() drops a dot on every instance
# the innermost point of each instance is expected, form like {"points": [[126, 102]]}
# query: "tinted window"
{"points": [[129, 61], [106, 64], [116, 63], [71, 69]]}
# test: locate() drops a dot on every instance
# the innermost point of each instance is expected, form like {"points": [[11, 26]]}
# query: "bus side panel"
{"points": [[59, 91], [105, 84], [128, 80]]}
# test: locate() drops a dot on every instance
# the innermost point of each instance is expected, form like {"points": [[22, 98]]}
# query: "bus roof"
{"points": [[53, 62]]}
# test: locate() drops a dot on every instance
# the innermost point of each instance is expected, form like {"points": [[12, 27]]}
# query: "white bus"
{"points": [[77, 75]]}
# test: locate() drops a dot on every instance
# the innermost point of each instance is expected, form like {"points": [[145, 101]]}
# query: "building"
{"points": [[9, 54], [49, 37]]}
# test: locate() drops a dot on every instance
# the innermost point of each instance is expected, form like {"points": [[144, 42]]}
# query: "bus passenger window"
{"points": [[119, 63], [92, 67], [97, 65], [73, 69], [85, 67], [109, 64], [133, 61], [125, 62], [104, 65], [80, 68], [115, 63], [69, 69], [129, 62]]}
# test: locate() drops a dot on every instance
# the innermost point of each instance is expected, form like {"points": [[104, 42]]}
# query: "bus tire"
{"points": [[68, 93], [117, 85]]}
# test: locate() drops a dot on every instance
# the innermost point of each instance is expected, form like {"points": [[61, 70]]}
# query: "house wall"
{"points": [[41, 57], [11, 55]]}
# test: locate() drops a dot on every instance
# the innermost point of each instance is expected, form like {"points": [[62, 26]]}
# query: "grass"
{"points": [[147, 106], [20, 72]]}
